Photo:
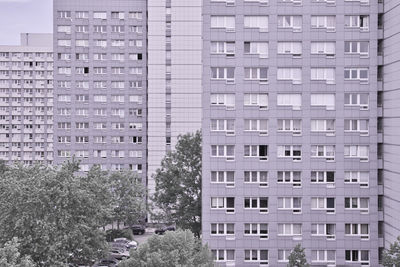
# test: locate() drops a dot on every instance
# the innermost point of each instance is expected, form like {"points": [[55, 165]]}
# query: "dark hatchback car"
{"points": [[138, 229], [162, 230]]}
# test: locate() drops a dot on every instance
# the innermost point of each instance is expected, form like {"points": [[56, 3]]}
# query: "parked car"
{"points": [[138, 229], [126, 242], [119, 254], [162, 230], [107, 263]]}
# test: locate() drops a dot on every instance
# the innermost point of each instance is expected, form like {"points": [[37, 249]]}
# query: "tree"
{"points": [[54, 213], [11, 257], [178, 184], [391, 256], [297, 257], [180, 248], [128, 196]]}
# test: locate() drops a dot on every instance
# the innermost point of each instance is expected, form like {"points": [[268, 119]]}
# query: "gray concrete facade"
{"points": [[290, 131], [100, 83], [390, 97], [26, 100]]}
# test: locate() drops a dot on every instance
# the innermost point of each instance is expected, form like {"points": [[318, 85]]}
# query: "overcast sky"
{"points": [[16, 16]]}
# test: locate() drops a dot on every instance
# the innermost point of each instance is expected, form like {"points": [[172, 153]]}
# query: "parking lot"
{"points": [[143, 238]]}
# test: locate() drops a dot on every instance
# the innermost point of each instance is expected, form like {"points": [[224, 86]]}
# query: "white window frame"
{"points": [[323, 48], [357, 123], [257, 204], [321, 177], [254, 74], [255, 22], [355, 151], [354, 74], [254, 152], [290, 48], [354, 22], [226, 100], [357, 177], [221, 177], [357, 205], [359, 256], [321, 22], [258, 100], [255, 125], [325, 256], [363, 106], [291, 103], [283, 23], [258, 252], [290, 228], [225, 151], [288, 177], [325, 151], [357, 50], [291, 201], [291, 124], [222, 47], [290, 74], [254, 177], [323, 74], [255, 48], [324, 202], [282, 149], [254, 229], [223, 22], [356, 230], [321, 230], [324, 123], [223, 125]]}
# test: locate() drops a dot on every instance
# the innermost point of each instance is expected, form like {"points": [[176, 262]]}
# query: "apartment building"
{"points": [[26, 100], [100, 83], [389, 121], [174, 76], [290, 91]]}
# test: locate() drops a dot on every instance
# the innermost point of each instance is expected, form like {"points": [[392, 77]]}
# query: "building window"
{"points": [[290, 48], [227, 22], [356, 151], [359, 21], [289, 229], [223, 177], [258, 203], [290, 74], [289, 151], [289, 177], [252, 255], [223, 255], [293, 100], [259, 22], [256, 48], [323, 48], [290, 203], [260, 151], [327, 230], [290, 22], [256, 177], [258, 100], [323, 203], [323, 126], [323, 22]]}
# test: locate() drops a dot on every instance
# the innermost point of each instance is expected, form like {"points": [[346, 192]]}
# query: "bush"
{"points": [[116, 233]]}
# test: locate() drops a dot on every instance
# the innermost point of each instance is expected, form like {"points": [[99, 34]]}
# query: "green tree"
{"points": [[180, 248], [178, 184], [129, 198], [54, 212], [11, 257], [391, 256], [297, 257]]}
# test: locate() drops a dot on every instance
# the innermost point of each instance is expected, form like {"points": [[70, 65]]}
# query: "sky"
{"points": [[17, 16]]}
